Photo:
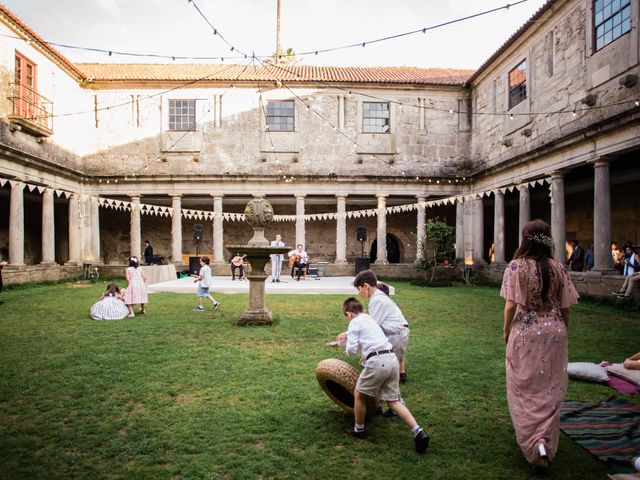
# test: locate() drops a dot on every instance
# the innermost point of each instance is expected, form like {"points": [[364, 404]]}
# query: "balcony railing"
{"points": [[31, 110]]}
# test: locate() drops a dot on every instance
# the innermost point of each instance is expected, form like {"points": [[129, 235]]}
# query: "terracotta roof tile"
{"points": [[130, 72], [61, 59]]}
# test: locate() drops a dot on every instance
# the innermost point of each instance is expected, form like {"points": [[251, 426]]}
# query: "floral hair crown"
{"points": [[541, 238], [133, 259]]}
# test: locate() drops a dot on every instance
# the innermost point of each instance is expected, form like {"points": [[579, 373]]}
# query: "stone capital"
{"points": [[300, 195], [135, 198], [558, 174], [175, 195], [218, 195], [341, 196], [381, 195]]}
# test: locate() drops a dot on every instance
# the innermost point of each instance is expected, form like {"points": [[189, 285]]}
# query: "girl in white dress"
{"points": [[136, 292], [110, 306]]}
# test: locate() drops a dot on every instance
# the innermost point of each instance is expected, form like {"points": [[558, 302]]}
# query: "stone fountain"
{"points": [[258, 213]]}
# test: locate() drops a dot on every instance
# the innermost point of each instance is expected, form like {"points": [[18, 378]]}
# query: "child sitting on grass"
{"points": [[111, 305], [380, 377]]}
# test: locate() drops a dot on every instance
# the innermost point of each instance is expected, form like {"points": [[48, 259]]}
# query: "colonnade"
{"points": [[84, 230]]}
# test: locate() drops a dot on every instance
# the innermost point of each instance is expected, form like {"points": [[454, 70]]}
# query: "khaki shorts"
{"points": [[399, 342], [381, 378]]}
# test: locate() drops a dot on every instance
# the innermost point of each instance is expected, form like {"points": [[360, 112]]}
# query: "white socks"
{"points": [[416, 430], [358, 427]]}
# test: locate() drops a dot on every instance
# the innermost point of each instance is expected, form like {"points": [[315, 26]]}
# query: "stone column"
{"points": [[341, 229], [558, 231], [85, 228], [48, 227], [74, 229], [136, 234], [176, 229], [422, 206], [478, 230], [525, 209], [498, 228], [602, 216], [381, 231], [16, 224], [460, 229], [218, 232], [95, 229], [300, 234]]}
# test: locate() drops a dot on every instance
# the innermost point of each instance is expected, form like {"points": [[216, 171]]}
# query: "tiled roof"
{"points": [[25, 30], [511, 40], [130, 72]]}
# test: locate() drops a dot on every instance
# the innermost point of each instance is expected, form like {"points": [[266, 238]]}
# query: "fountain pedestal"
{"points": [[258, 213]]}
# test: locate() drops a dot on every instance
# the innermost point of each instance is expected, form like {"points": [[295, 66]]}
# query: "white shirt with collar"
{"points": [[302, 254], [365, 336], [386, 313]]}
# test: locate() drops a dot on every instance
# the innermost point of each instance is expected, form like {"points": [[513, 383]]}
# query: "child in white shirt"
{"points": [[204, 279], [380, 377]]}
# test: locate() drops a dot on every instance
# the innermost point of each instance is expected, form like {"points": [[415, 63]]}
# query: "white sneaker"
{"points": [[199, 309], [216, 305]]}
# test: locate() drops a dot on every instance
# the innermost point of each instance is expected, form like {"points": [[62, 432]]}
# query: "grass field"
{"points": [[184, 395]]}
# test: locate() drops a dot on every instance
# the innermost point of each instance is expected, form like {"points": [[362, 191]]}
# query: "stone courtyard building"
{"points": [[95, 158]]}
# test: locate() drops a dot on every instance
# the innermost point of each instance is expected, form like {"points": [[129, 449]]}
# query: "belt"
{"points": [[379, 352]]}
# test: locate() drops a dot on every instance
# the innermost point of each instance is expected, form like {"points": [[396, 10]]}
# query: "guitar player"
{"points": [[237, 263], [299, 260]]}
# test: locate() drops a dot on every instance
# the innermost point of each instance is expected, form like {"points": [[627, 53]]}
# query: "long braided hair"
{"points": [[538, 245]]}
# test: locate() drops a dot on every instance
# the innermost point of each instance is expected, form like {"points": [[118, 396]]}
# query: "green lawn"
{"points": [[185, 395]]}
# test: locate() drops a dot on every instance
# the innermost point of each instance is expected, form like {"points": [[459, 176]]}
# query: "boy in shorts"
{"points": [[380, 377], [204, 277]]}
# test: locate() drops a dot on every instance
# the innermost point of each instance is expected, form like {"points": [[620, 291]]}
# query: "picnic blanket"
{"points": [[609, 430]]}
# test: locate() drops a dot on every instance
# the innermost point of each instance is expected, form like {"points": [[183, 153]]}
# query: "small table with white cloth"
{"points": [[159, 273]]}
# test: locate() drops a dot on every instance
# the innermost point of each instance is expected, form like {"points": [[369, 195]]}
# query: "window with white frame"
{"points": [[518, 84], [182, 115], [611, 20], [376, 117], [281, 115]]}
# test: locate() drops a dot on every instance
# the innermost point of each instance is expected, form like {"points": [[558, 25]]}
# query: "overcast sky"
{"points": [[174, 27]]}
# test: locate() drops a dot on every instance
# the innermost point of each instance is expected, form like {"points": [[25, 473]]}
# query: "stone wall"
{"points": [[561, 72]]}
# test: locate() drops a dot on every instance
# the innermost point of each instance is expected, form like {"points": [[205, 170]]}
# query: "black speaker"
{"points": [[362, 264], [194, 265], [198, 228], [361, 234]]}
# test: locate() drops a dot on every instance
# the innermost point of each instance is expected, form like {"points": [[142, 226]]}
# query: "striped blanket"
{"points": [[609, 430]]}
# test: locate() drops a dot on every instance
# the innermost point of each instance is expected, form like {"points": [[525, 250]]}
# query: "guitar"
{"points": [[293, 259], [238, 260]]}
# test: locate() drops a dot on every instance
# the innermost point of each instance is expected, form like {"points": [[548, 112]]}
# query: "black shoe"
{"points": [[403, 377], [351, 430], [422, 441], [273, 281], [389, 414], [278, 281]]}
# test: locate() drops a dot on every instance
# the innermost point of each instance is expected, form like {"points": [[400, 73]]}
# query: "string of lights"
{"points": [[312, 52]]}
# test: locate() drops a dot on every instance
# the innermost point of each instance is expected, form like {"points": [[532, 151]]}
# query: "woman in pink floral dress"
{"points": [[538, 294], [136, 292]]}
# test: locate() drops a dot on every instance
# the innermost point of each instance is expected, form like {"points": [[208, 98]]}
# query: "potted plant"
{"points": [[437, 245]]}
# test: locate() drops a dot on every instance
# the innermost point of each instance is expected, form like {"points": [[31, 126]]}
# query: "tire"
{"points": [[338, 380]]}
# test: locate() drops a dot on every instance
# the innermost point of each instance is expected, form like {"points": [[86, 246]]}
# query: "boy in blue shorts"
{"points": [[380, 377], [204, 277]]}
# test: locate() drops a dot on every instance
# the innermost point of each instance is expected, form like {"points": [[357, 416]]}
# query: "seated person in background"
{"points": [[633, 362], [299, 260], [237, 263], [631, 271], [616, 257]]}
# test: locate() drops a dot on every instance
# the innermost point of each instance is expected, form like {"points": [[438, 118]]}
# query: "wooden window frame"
{"points": [[517, 92]]}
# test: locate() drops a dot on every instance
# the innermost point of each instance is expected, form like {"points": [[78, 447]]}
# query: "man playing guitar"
{"points": [[299, 260], [237, 262]]}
